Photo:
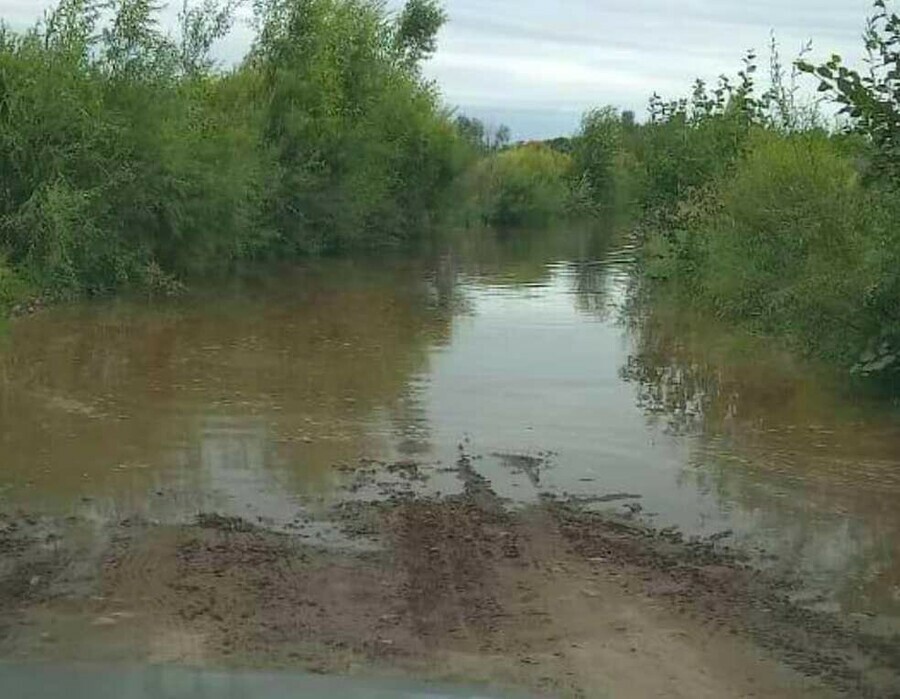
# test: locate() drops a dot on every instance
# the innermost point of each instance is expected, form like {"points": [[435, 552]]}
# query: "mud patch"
{"points": [[705, 580], [533, 466], [553, 598], [31, 559]]}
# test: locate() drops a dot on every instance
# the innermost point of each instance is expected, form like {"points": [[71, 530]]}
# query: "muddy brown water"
{"points": [[259, 397]]}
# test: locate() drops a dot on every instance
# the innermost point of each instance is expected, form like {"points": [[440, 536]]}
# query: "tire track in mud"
{"points": [[445, 549], [550, 597], [699, 579], [31, 560]]}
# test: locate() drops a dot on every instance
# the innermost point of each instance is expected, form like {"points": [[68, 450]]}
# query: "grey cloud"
{"points": [[537, 65], [617, 51]]}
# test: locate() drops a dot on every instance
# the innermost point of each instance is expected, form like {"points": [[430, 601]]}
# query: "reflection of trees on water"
{"points": [[813, 476], [519, 258], [410, 423], [466, 264], [604, 277], [534, 259], [843, 538], [681, 393], [313, 352], [592, 289], [695, 373]]}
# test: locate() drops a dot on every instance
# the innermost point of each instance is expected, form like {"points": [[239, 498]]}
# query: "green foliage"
{"points": [[793, 244], [361, 149], [880, 273], [782, 107], [12, 288], [605, 151], [758, 213], [688, 143], [479, 138], [597, 150], [201, 26], [528, 186], [783, 247], [415, 36], [872, 101], [132, 46], [562, 144], [127, 159]]}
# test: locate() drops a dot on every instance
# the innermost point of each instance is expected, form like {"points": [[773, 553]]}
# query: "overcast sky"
{"points": [[536, 65]]}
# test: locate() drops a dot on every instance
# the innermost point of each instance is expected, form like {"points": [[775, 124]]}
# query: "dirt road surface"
{"points": [[552, 598]]}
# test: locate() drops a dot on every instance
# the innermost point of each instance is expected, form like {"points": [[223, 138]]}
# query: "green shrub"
{"points": [[789, 242], [677, 156], [881, 294], [596, 152], [785, 246], [361, 146], [13, 288], [127, 159], [870, 99], [528, 186], [768, 220]]}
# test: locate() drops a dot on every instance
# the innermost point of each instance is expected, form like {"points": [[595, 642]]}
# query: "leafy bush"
{"points": [[596, 150], [689, 143], [774, 223], [784, 248], [528, 186], [12, 288], [128, 159], [361, 148], [881, 274], [871, 99], [790, 242]]}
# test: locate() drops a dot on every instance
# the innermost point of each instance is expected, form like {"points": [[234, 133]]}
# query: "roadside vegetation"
{"points": [[526, 186], [129, 159], [754, 206]]}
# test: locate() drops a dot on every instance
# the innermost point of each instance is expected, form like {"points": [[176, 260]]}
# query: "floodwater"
{"points": [[258, 398]]}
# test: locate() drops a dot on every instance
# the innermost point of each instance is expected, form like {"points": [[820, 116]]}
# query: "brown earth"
{"points": [[552, 599]]}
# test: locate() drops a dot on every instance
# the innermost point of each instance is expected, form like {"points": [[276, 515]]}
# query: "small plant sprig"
{"points": [[870, 99]]}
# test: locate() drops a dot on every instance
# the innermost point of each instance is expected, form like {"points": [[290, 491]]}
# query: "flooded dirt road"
{"points": [[550, 597], [481, 463]]}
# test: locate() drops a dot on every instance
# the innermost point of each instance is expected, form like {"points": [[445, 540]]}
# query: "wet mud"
{"points": [[555, 598]]}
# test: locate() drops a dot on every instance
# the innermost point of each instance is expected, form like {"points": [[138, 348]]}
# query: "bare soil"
{"points": [[551, 598]]}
